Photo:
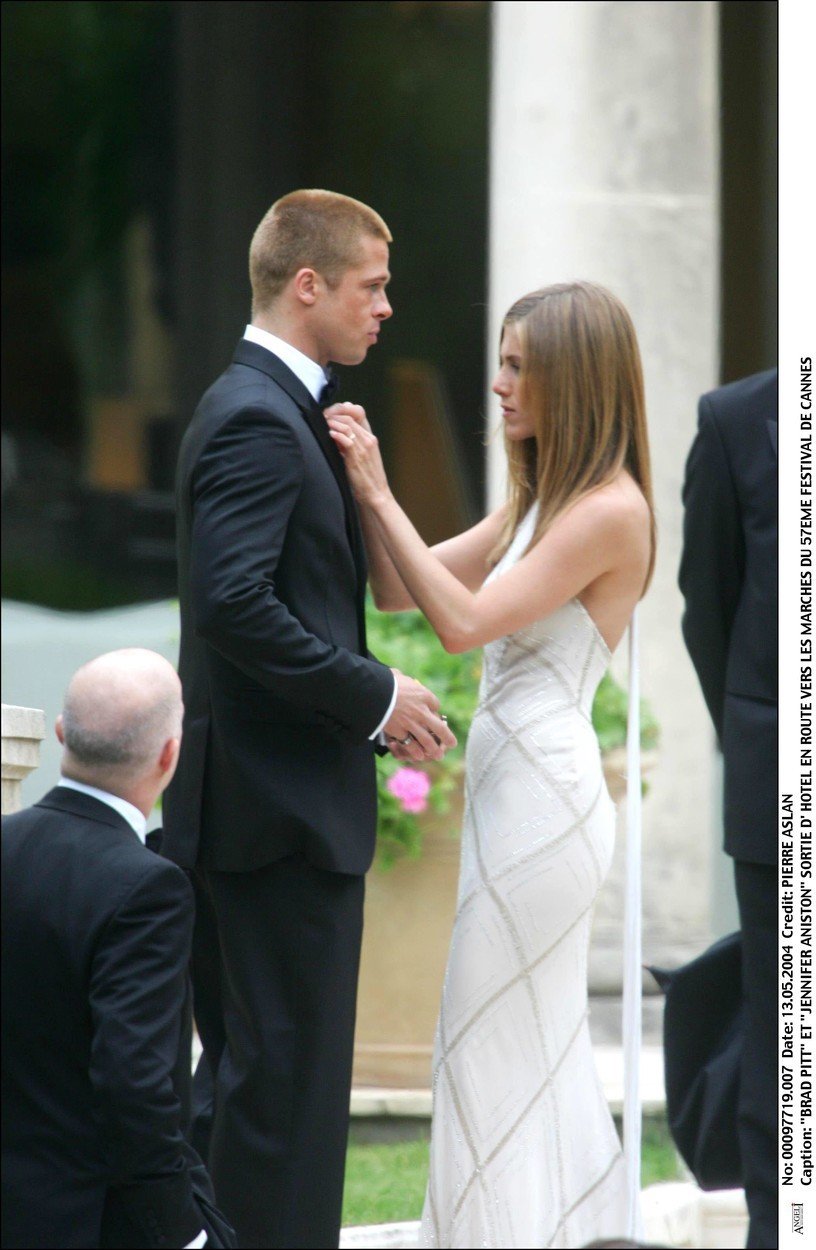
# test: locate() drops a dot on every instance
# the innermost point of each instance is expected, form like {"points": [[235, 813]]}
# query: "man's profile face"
{"points": [[350, 316]]}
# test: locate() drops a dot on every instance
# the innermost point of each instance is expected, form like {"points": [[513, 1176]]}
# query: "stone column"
{"points": [[23, 731], [604, 166]]}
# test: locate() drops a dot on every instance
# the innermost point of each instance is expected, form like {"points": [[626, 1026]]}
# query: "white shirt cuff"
{"points": [[197, 1242], [378, 731]]}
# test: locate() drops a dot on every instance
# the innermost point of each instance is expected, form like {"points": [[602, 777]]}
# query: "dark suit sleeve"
{"points": [[137, 987], [713, 561], [244, 490]]}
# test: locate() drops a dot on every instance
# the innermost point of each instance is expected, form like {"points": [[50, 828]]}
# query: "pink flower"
{"points": [[411, 787]]}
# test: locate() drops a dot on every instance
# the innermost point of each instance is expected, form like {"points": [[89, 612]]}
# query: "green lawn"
{"points": [[659, 1160], [386, 1183]]}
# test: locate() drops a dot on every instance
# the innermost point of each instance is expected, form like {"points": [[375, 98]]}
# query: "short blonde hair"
{"points": [[581, 379], [318, 229]]}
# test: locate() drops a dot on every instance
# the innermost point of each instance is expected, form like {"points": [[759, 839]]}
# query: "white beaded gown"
{"points": [[524, 1152]]}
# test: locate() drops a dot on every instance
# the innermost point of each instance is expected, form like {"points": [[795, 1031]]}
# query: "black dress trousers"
{"points": [[290, 947]]}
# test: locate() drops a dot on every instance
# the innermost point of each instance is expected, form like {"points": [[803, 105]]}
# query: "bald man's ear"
{"points": [[169, 756], [58, 729]]}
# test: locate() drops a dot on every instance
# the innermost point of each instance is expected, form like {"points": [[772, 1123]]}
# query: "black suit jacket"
{"points": [[280, 692], [96, 938], [729, 577]]}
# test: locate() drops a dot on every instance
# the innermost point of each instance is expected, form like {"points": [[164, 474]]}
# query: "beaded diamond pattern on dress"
{"points": [[524, 1151]]}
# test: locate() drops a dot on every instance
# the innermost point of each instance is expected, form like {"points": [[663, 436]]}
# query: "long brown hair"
{"points": [[582, 380]]}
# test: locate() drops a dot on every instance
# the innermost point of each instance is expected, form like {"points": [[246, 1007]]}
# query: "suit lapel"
{"points": [[317, 424], [257, 357]]}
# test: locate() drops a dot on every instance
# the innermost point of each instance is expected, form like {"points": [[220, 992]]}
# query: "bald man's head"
{"points": [[119, 711]]}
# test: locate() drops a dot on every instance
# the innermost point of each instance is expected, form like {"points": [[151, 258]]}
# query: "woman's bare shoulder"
{"points": [[619, 505], [614, 519]]}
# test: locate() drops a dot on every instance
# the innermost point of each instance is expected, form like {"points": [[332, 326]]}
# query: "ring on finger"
{"points": [[405, 741]]}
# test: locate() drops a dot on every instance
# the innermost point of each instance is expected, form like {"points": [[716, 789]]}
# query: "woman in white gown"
{"points": [[524, 1151]]}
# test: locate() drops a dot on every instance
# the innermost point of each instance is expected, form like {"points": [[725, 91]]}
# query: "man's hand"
{"points": [[400, 751], [419, 732]]}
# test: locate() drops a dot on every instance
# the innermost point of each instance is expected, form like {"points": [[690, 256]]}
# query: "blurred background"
{"points": [[507, 145], [142, 143]]}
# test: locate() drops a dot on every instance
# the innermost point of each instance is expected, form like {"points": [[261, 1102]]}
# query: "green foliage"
{"points": [[405, 640], [609, 712]]}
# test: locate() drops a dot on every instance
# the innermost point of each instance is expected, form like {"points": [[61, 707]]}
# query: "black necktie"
{"points": [[329, 390]]}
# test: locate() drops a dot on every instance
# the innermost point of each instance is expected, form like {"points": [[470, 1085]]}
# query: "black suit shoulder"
{"points": [[740, 405], [248, 400], [737, 438], [255, 391], [739, 396], [74, 872], [93, 852]]}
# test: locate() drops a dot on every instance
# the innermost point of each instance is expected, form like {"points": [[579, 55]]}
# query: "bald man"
{"points": [[96, 938]]}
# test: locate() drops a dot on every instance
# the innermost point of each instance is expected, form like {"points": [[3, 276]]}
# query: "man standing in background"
{"points": [[729, 578]]}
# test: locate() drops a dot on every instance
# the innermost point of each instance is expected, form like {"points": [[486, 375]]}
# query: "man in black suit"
{"points": [[96, 941], [274, 802], [728, 576]]}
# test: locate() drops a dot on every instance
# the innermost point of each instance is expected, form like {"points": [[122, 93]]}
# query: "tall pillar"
{"points": [[604, 166]]}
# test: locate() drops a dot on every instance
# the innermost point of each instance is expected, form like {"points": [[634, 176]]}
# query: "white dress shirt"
{"points": [[138, 823], [311, 374]]}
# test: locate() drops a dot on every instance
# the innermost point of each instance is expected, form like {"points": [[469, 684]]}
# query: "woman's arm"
{"points": [[387, 587], [464, 555], [596, 537]]}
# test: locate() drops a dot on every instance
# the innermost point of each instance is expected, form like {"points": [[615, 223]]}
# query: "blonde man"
{"points": [[274, 802]]}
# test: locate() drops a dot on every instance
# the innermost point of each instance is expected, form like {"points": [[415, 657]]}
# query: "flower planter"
{"points": [[409, 913]]}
